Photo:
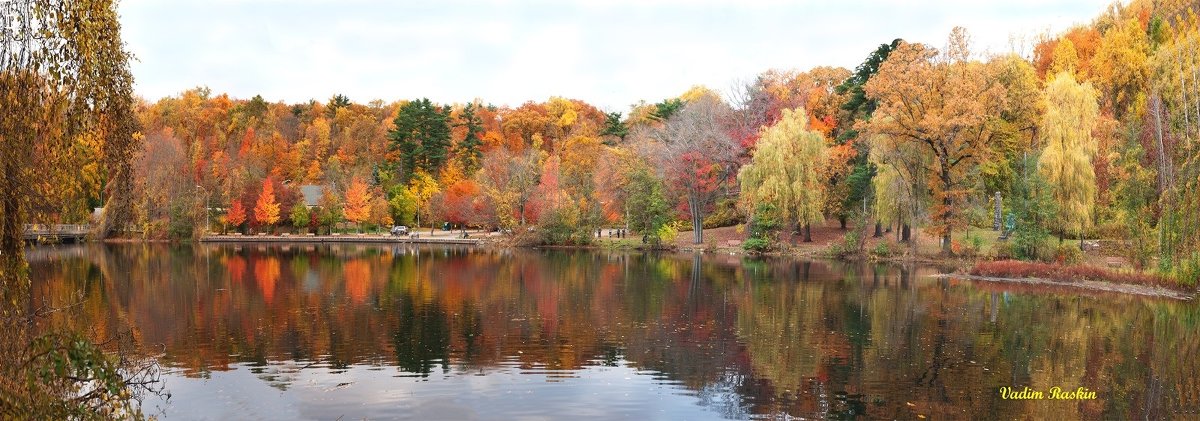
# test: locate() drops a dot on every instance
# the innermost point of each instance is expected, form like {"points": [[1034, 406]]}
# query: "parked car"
{"points": [[399, 230]]}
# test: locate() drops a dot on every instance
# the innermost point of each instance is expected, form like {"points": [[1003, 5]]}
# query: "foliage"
{"points": [[1066, 161], [357, 207], [236, 215], [756, 245], [182, 222], [1033, 208], [266, 209], [724, 214], [646, 205], [421, 136], [764, 227], [943, 104], [1068, 253], [1068, 273], [613, 126], [786, 170], [469, 148], [299, 216], [64, 84], [696, 155], [666, 234], [882, 249]]}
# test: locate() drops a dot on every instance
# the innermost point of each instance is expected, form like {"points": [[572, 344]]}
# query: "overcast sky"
{"points": [[610, 53]]}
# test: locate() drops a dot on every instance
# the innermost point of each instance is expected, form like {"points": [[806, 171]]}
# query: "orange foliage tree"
{"points": [[942, 104], [236, 215], [266, 210], [358, 202]]}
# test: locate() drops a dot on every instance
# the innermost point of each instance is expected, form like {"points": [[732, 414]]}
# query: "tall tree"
{"points": [[64, 74], [469, 148], [613, 126], [421, 137], [266, 209], [787, 170], [358, 202], [697, 155], [1066, 162], [944, 103], [236, 215]]}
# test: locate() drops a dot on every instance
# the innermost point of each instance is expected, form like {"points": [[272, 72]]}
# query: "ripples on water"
{"points": [[322, 332]]}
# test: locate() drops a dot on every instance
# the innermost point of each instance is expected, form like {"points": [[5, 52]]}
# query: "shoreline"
{"points": [[951, 265], [1133, 289]]}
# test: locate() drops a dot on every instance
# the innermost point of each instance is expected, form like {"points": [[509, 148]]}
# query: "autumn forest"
{"points": [[1071, 156], [1087, 135]]}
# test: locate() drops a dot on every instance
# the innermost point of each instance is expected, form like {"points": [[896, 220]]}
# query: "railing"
{"points": [[56, 230]]}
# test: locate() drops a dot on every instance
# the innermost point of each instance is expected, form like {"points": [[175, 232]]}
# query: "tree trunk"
{"points": [[947, 239], [906, 233], [697, 221], [808, 233], [878, 229], [842, 221]]}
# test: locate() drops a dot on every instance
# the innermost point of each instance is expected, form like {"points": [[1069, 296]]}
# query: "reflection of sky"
{"points": [[285, 391]]}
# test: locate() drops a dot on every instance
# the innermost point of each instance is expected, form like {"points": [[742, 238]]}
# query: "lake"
{"points": [[407, 332]]}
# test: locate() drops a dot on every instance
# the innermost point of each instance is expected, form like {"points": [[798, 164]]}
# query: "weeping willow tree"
{"points": [[786, 170], [64, 79], [1066, 162], [900, 190]]}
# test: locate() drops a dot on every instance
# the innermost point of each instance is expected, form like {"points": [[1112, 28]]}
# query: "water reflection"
{"points": [[444, 332]]}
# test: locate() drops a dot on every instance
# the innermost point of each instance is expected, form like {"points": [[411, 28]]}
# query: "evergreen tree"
{"points": [[421, 136]]}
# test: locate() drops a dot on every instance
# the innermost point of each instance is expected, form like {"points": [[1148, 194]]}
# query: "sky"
{"points": [[610, 53]]}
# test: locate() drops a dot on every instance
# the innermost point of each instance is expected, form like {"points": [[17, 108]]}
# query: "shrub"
{"points": [[756, 245], [882, 250], [1187, 272], [1052, 271], [1068, 253], [724, 214], [1003, 251], [667, 233]]}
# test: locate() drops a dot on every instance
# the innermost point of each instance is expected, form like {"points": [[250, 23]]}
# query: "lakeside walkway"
{"points": [[344, 238]]}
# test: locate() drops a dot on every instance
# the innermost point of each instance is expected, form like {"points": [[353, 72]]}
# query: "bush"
{"points": [[1187, 272], [1004, 250], [667, 233], [756, 245], [725, 214], [1068, 253], [883, 249], [1017, 269]]}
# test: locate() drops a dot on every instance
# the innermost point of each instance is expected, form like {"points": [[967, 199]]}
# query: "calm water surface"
{"points": [[404, 332]]}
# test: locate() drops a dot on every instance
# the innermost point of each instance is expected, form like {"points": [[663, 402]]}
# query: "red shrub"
{"points": [[1069, 273]]}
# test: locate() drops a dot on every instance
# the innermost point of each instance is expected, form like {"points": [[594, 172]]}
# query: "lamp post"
{"points": [[207, 217]]}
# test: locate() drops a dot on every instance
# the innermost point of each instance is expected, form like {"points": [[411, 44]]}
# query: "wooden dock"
{"points": [[56, 233], [345, 238]]}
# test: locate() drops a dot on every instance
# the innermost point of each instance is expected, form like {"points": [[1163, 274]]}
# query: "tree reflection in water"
{"points": [[740, 337]]}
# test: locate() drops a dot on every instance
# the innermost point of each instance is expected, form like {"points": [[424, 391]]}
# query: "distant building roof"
{"points": [[312, 194]]}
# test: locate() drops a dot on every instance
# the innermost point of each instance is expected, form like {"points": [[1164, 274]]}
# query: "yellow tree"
{"points": [[358, 202], [944, 103], [266, 210], [1066, 162], [1121, 67], [786, 170], [422, 187]]}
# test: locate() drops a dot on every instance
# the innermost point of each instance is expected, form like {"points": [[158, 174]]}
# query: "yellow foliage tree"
{"points": [[786, 170], [944, 104], [422, 187], [1066, 162]]}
